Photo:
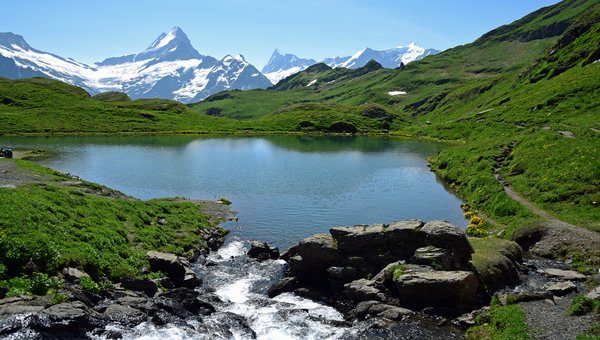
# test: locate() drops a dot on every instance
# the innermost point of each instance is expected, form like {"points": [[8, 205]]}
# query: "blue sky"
{"points": [[90, 31]]}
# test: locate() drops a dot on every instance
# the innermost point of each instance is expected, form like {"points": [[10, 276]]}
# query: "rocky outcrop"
{"points": [[261, 251], [176, 268], [75, 318], [408, 264]]}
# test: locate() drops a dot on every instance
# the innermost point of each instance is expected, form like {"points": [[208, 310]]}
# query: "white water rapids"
{"points": [[241, 284]]}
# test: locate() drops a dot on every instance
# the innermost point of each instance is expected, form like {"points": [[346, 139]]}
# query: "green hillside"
{"points": [[529, 89]]}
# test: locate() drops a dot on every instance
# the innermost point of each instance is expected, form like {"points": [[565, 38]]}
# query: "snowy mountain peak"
{"points": [[282, 65], [9, 39]]}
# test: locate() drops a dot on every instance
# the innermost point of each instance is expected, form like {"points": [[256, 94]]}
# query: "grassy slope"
{"points": [[519, 84], [54, 225]]}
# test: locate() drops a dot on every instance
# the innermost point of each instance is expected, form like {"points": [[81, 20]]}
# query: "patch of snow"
{"points": [[276, 76], [396, 93], [166, 40], [312, 82]]}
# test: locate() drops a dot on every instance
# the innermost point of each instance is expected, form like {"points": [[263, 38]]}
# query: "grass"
{"points": [[500, 322], [47, 226], [582, 305]]}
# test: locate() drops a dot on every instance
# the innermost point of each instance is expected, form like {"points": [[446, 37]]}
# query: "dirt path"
{"points": [[557, 240]]}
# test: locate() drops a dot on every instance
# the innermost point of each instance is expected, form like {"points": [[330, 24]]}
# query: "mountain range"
{"points": [[171, 68], [282, 65]]}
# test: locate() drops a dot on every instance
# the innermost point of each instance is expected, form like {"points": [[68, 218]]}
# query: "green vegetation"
{"points": [[37, 283], [88, 284], [529, 89], [396, 271], [47, 226], [494, 260], [581, 305], [500, 322]]}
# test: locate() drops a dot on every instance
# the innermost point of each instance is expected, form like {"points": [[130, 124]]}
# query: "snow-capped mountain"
{"points": [[390, 58], [169, 68], [282, 65]]}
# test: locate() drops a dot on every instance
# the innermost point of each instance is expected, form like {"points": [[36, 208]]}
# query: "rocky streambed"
{"points": [[407, 279]]}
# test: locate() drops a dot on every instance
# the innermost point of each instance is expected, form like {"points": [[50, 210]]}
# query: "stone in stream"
{"points": [[175, 267], [564, 274], [261, 251], [562, 288]]}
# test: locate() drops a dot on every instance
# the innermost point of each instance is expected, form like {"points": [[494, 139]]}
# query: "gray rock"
{"points": [[399, 239], [261, 251], [434, 257], [21, 305], [511, 298], [167, 263], [364, 290], [310, 259], [594, 293], [451, 289], [287, 284], [69, 316], [564, 274], [190, 280], [74, 275], [343, 274], [366, 309], [561, 288], [449, 237], [147, 286], [124, 315]]}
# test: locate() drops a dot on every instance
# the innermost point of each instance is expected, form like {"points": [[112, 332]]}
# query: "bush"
{"points": [[88, 284], [581, 305], [41, 283]]}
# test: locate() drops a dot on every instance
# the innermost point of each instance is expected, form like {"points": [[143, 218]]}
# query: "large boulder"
{"points": [[455, 291], [371, 308], [444, 235], [310, 259], [167, 263], [124, 315], [176, 268], [379, 243], [261, 251]]}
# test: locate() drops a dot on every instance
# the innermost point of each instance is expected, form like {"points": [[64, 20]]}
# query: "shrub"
{"points": [[41, 283], [581, 305], [88, 284]]}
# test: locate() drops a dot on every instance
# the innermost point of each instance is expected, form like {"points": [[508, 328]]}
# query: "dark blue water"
{"points": [[284, 188]]}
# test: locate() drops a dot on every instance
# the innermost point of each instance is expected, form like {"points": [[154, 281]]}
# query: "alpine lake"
{"points": [[283, 188]]}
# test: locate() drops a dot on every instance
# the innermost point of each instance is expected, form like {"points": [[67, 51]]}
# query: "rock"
{"points": [[564, 274], [507, 299], [468, 319], [456, 290], [364, 290], [147, 286], [561, 288], [68, 316], [261, 251], [74, 275], [343, 274], [189, 299], [287, 284], [310, 259], [190, 280], [567, 134], [171, 306], [20, 305], [124, 315], [162, 317], [449, 237], [434, 257], [398, 240], [594, 294], [366, 309], [167, 263]]}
